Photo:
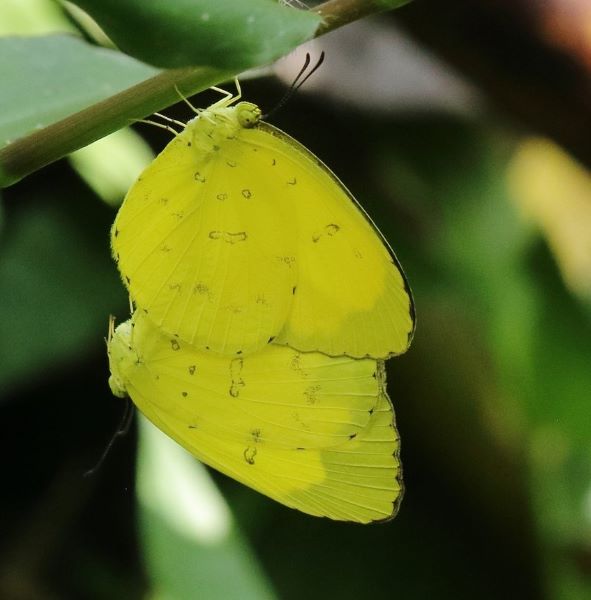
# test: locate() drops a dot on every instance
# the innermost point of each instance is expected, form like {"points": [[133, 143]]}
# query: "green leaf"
{"points": [[47, 78], [221, 33]]}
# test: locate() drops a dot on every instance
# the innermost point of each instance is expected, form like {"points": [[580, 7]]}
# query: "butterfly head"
{"points": [[120, 352], [247, 114]]}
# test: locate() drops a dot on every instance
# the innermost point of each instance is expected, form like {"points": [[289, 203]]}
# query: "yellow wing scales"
{"points": [[203, 249], [351, 296], [311, 431]]}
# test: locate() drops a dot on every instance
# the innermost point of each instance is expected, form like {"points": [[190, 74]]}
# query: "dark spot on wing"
{"points": [[228, 236], [249, 455], [288, 260], [200, 288], [247, 193], [184, 394], [328, 231], [311, 394], [237, 383], [352, 436]]}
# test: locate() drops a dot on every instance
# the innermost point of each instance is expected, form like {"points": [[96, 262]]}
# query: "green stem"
{"points": [[40, 148]]}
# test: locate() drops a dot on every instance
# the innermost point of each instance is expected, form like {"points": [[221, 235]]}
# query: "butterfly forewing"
{"points": [[206, 248]]}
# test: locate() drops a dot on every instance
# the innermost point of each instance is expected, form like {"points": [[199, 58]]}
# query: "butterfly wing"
{"points": [[351, 297], [202, 250], [313, 432]]}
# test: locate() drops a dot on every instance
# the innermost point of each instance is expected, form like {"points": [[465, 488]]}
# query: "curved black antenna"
{"points": [[122, 430], [298, 82]]}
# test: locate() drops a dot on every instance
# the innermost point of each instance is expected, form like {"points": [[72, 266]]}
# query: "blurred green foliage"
{"points": [[492, 400]]}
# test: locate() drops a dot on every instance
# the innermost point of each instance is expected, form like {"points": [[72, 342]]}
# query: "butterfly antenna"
{"points": [[122, 430], [298, 82]]}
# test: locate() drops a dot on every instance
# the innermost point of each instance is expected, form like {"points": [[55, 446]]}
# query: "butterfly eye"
{"points": [[248, 114]]}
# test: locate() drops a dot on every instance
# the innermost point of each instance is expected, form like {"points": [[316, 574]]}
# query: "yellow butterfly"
{"points": [[236, 236], [314, 432]]}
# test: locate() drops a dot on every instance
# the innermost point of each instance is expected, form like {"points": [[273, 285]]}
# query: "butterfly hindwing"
{"points": [[313, 432]]}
